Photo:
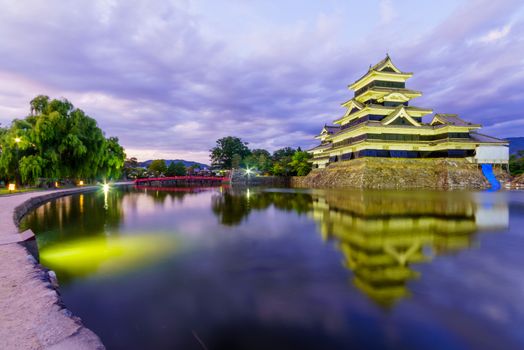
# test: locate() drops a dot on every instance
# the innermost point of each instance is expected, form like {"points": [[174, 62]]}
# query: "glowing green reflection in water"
{"points": [[106, 255]]}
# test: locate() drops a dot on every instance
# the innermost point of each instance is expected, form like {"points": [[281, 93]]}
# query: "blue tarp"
{"points": [[487, 170]]}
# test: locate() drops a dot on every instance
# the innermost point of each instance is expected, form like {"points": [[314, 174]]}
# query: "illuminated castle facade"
{"points": [[380, 122]]}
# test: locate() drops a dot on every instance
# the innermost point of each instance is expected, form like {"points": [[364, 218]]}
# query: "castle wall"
{"points": [[396, 173]]}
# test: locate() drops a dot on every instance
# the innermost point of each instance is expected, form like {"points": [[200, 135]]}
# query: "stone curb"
{"points": [[57, 327]]}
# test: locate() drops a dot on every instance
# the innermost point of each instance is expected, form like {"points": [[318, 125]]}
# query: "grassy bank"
{"points": [[5, 191]]}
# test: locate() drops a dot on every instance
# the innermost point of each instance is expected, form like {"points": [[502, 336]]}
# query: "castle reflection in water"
{"points": [[381, 234]]}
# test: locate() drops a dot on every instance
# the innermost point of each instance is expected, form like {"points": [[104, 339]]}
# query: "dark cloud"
{"points": [[152, 76]]}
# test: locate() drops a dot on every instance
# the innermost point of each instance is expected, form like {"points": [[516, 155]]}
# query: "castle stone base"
{"points": [[396, 173]]}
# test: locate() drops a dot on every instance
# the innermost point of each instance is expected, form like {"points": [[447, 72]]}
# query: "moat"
{"points": [[276, 268]]}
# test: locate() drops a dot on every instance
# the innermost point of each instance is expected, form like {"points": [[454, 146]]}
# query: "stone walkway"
{"points": [[31, 313]]}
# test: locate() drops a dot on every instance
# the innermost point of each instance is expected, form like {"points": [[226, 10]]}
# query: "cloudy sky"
{"points": [[170, 77]]}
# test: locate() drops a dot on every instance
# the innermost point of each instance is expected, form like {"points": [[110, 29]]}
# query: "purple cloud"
{"points": [[167, 85]]}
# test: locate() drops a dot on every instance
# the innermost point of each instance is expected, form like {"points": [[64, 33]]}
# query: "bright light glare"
{"points": [[249, 171], [11, 187], [17, 139], [80, 183], [105, 187]]}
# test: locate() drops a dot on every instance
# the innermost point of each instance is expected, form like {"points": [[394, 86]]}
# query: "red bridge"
{"points": [[181, 181]]}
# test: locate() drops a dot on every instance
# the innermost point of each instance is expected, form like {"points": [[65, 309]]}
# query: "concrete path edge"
{"points": [[43, 320]]}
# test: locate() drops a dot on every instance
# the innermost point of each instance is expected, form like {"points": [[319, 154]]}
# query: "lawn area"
{"points": [[4, 190]]}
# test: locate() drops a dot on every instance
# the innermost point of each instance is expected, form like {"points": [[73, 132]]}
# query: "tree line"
{"points": [[57, 141], [157, 167], [231, 152]]}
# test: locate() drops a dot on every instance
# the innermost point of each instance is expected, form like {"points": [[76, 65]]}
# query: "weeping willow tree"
{"points": [[57, 141]]}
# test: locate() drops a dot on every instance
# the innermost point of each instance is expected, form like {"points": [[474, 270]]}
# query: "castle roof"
{"points": [[399, 112], [450, 119], [485, 138], [328, 130], [384, 66], [331, 128]]}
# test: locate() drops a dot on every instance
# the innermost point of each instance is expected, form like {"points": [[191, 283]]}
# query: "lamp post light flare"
{"points": [[105, 188]]}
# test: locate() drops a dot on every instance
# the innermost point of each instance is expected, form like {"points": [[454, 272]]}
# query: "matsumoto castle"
{"points": [[380, 122]]}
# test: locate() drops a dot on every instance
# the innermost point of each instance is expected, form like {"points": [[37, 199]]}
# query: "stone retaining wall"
{"points": [[396, 173]]}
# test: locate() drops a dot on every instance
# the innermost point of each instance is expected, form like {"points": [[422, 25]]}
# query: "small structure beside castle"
{"points": [[379, 122]]}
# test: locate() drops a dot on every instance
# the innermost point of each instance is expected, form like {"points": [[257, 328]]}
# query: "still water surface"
{"points": [[290, 269]]}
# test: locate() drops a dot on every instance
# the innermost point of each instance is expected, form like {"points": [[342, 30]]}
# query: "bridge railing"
{"points": [[182, 178]]}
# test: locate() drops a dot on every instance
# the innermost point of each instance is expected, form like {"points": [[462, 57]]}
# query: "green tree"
{"points": [[113, 159], [176, 169], [131, 168], [171, 169], [192, 169], [179, 169], [264, 162], [300, 164], [39, 105], [58, 141], [224, 151], [281, 162], [259, 159], [236, 161], [278, 170], [157, 167], [516, 163], [283, 153]]}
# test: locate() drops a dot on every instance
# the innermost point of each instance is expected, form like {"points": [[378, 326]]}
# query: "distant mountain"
{"points": [[187, 163], [515, 144]]}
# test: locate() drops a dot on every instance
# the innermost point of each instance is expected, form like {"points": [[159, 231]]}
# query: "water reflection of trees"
{"points": [[382, 233], [80, 215], [233, 206]]}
